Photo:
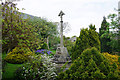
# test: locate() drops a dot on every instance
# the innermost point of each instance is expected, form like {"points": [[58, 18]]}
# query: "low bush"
{"points": [[39, 67], [90, 64], [18, 55]]}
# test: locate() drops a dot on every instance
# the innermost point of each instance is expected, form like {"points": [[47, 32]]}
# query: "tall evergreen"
{"points": [[88, 38], [92, 27], [104, 38]]}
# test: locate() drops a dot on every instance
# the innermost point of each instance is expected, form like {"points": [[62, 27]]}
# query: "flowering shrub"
{"points": [[39, 67], [18, 55], [112, 59], [44, 51]]}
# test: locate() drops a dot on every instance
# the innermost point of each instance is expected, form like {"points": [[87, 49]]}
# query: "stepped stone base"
{"points": [[61, 57]]}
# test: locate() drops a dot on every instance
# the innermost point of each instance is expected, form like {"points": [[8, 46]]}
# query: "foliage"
{"points": [[113, 33], [112, 59], [15, 30], [69, 44], [43, 45], [18, 55], [104, 37], [90, 64], [87, 39], [119, 59], [53, 42], [92, 27], [45, 29], [39, 67], [32, 32]]}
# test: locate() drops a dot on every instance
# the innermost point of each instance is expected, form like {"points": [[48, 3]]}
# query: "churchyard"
{"points": [[34, 49]]}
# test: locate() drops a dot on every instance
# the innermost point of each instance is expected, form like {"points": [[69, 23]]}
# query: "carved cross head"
{"points": [[61, 13]]}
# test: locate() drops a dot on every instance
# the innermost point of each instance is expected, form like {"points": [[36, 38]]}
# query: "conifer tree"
{"points": [[104, 38], [92, 27], [88, 38], [91, 64]]}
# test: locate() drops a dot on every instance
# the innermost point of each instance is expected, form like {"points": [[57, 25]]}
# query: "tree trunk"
{"points": [[48, 42]]}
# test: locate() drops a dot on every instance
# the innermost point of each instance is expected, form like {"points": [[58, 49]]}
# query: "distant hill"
{"points": [[25, 16]]}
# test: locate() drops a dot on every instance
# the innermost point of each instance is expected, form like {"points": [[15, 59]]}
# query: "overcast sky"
{"points": [[78, 13]]}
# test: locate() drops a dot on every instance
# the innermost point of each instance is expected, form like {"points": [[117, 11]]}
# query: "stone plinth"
{"points": [[61, 58]]}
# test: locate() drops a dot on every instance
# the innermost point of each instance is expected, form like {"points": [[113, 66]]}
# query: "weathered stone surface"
{"points": [[61, 57]]}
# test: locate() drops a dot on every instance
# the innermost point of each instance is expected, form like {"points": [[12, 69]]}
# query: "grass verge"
{"points": [[9, 69]]}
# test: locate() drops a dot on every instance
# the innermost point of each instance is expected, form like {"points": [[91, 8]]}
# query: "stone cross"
{"points": [[61, 31], [61, 55]]}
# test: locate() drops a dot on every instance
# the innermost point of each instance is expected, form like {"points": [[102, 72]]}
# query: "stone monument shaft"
{"points": [[61, 31]]}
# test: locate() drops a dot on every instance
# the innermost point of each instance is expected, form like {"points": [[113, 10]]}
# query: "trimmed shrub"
{"points": [[18, 55], [90, 64]]}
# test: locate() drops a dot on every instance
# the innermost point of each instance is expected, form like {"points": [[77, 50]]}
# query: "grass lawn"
{"points": [[9, 69]]}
